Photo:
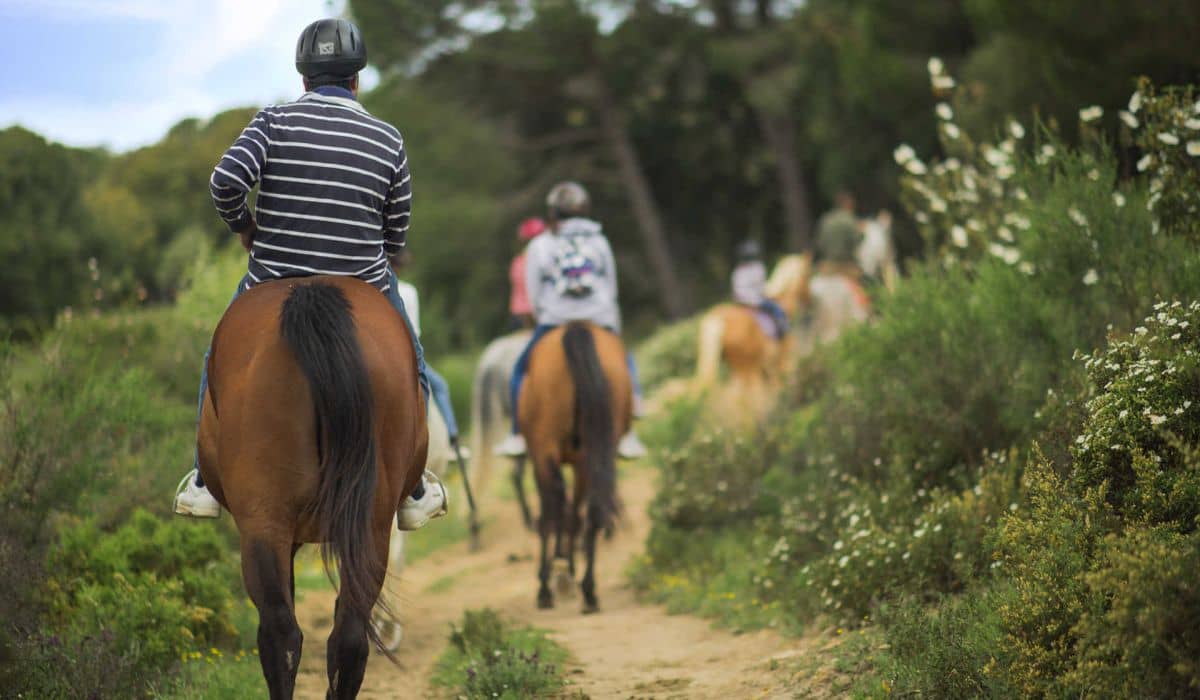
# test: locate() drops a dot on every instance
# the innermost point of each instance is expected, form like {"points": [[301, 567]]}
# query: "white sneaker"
{"points": [[413, 513], [512, 446], [194, 500], [631, 447]]}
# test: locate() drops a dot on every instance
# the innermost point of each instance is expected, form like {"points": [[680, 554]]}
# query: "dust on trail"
{"points": [[627, 650]]}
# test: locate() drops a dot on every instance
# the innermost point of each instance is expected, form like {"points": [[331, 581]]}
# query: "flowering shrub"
{"points": [[1166, 128]]}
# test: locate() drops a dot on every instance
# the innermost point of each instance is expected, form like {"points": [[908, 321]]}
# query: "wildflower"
{"points": [[1005, 171], [1048, 151], [1005, 234], [958, 235], [935, 66], [951, 130], [951, 164], [1193, 124], [1193, 148], [1027, 268], [843, 561], [1077, 216], [1157, 420], [994, 156], [1091, 114], [1091, 277], [838, 545], [916, 167], [903, 153], [1127, 117], [943, 82], [937, 204], [1118, 199], [1015, 128], [1135, 101], [1145, 162], [1169, 138], [1093, 174], [943, 110]]}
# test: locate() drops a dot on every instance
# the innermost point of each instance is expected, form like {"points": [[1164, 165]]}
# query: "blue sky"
{"points": [[120, 73]]}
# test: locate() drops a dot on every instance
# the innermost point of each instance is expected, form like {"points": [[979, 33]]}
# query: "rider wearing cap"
{"points": [[750, 283], [334, 196], [570, 276]]}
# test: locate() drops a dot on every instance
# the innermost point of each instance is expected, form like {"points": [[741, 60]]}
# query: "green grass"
{"points": [[216, 677], [489, 658]]}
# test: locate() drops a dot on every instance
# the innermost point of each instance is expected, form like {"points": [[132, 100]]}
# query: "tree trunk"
{"points": [[645, 209], [780, 135]]}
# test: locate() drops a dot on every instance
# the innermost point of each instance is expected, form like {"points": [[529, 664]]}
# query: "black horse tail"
{"points": [[318, 326], [594, 424]]}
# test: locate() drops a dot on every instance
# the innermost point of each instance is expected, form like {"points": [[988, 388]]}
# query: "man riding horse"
{"points": [[570, 276], [334, 198]]}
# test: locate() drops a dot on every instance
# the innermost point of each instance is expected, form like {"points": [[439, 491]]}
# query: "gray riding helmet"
{"points": [[567, 199], [331, 49]]}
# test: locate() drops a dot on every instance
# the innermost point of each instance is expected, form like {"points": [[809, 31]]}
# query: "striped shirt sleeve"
{"points": [[398, 207], [238, 172]]}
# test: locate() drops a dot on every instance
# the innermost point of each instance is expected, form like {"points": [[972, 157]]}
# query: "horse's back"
{"points": [[744, 344], [262, 426]]}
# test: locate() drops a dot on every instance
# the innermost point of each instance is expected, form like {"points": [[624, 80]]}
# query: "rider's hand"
{"points": [[247, 235]]}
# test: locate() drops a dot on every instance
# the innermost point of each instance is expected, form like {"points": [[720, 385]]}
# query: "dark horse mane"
{"points": [[317, 324], [594, 423]]}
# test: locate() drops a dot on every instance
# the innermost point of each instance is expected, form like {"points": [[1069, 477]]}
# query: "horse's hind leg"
{"points": [[588, 585], [349, 647], [552, 495], [267, 570], [518, 478]]}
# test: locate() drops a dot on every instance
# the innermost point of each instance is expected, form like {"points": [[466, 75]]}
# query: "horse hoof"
{"points": [[545, 600], [591, 608]]}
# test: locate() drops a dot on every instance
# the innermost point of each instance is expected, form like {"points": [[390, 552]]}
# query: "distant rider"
{"points": [[334, 196], [838, 237], [518, 300], [571, 276], [750, 283]]}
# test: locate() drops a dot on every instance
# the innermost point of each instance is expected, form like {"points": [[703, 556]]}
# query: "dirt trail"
{"points": [[627, 650]]}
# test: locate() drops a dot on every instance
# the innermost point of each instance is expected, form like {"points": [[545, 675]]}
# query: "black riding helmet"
{"points": [[330, 49], [749, 250]]}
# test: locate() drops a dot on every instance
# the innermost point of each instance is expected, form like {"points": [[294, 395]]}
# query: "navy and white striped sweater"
{"points": [[334, 189]]}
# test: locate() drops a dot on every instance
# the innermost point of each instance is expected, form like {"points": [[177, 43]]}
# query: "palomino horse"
{"points": [[576, 403], [385, 619], [732, 332], [492, 411], [838, 301], [312, 430]]}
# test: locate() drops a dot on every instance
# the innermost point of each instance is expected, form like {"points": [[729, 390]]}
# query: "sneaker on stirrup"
{"points": [[512, 446], [194, 500], [631, 447], [414, 513]]}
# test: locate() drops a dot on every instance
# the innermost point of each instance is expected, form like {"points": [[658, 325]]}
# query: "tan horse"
{"points": [[576, 404], [731, 332], [312, 430]]}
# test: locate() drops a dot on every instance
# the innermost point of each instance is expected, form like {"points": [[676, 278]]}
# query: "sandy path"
{"points": [[628, 650]]}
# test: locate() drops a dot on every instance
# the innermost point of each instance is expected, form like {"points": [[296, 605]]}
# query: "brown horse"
{"points": [[576, 403], [731, 332], [313, 430]]}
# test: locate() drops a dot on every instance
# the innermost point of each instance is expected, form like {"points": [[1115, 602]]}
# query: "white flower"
{"points": [[1127, 117], [1093, 174], [951, 131], [1135, 102], [1169, 138], [1005, 234], [843, 561], [943, 110], [951, 164], [838, 545], [1005, 253], [937, 205], [1077, 216], [935, 66], [1091, 114], [1193, 148], [958, 235], [994, 156], [1027, 268], [1157, 420], [1005, 171], [1091, 277], [903, 153], [1118, 199], [1145, 162], [915, 167], [1015, 128], [1048, 151], [943, 82], [1193, 124]]}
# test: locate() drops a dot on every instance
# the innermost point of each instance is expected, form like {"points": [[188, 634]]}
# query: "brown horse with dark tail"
{"points": [[576, 403], [313, 430]]}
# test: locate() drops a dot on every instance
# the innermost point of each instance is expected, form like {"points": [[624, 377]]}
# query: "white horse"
{"points": [[491, 407], [389, 628], [876, 253]]}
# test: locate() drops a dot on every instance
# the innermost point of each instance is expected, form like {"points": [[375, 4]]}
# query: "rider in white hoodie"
{"points": [[570, 275]]}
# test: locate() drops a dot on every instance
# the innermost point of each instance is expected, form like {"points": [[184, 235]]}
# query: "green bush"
{"points": [[669, 353], [487, 658]]}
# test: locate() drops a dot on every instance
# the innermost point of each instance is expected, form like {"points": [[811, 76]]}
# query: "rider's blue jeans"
{"points": [[440, 393], [393, 296], [522, 368], [777, 314]]}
